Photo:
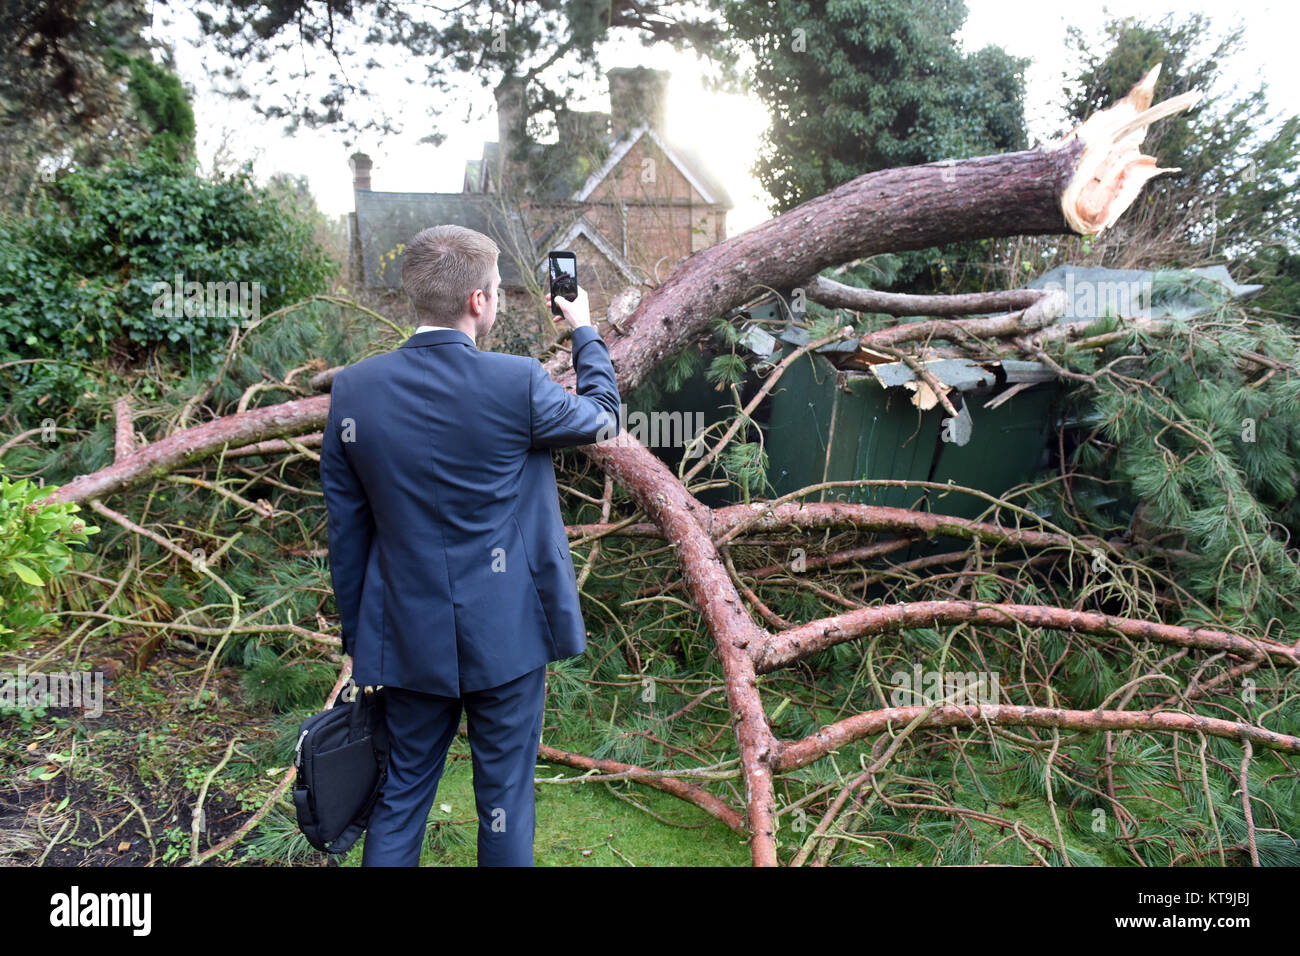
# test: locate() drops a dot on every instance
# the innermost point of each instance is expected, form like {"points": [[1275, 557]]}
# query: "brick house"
{"points": [[613, 189]]}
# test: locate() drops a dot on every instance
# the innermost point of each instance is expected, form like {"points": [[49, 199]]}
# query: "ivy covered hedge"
{"points": [[83, 276]]}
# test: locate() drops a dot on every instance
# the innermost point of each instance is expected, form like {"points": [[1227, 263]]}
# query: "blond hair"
{"points": [[442, 267]]}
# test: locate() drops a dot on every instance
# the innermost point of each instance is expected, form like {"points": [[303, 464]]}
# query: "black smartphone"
{"points": [[564, 277]]}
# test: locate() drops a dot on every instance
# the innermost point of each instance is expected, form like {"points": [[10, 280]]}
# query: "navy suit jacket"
{"points": [[448, 557]]}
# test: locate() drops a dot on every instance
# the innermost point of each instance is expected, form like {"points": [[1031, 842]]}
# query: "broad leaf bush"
{"points": [[35, 544]]}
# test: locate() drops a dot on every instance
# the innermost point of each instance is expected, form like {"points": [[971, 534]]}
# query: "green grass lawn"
{"points": [[581, 824]]}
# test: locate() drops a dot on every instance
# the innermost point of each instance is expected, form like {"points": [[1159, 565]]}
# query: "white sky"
{"points": [[729, 126]]}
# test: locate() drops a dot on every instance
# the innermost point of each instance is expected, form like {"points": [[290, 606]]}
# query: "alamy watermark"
{"points": [[219, 300], [1093, 298], [960, 688], [21, 689], [88, 908], [658, 429]]}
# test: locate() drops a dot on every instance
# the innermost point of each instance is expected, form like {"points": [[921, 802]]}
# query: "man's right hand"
{"points": [[576, 313]]}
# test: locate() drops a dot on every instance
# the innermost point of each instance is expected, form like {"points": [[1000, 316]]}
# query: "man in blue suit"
{"points": [[448, 556]]}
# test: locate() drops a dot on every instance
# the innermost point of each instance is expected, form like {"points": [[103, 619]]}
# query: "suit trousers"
{"points": [[505, 727]]}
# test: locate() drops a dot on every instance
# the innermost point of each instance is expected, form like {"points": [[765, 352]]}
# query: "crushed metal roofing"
{"points": [[1091, 291]]}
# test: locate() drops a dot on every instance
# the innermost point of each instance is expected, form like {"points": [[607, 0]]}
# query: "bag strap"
{"points": [[368, 715], [379, 735]]}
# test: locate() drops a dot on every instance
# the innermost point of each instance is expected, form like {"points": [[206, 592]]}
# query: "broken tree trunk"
{"points": [[1081, 183]]}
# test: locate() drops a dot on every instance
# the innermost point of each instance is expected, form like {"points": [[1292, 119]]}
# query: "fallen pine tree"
{"points": [[1060, 612]]}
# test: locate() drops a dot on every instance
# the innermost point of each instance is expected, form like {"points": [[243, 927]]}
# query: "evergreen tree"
{"points": [[865, 85], [162, 104], [78, 87]]}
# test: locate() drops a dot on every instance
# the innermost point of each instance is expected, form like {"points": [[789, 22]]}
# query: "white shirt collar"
{"points": [[430, 328]]}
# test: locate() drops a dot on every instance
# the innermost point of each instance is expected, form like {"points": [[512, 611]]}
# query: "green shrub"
{"points": [[82, 276], [34, 547]]}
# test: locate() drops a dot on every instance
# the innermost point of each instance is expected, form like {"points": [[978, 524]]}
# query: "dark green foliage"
{"points": [[1281, 269], [279, 841], [271, 681], [681, 368], [164, 105], [860, 86], [726, 370], [1209, 455], [91, 271]]}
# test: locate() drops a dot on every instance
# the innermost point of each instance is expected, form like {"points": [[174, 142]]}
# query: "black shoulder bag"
{"points": [[342, 761]]}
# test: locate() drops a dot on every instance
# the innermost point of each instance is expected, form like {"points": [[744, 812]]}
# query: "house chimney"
{"points": [[511, 130], [637, 95], [360, 165]]}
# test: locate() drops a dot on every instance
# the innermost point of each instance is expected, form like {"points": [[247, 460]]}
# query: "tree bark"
{"points": [[123, 432], [288, 419], [782, 650], [840, 296], [800, 753], [887, 211], [843, 516]]}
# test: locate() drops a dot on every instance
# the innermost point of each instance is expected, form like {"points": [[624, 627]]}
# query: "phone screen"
{"points": [[562, 267], [564, 278]]}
